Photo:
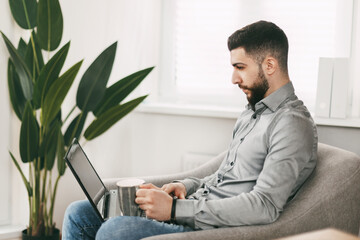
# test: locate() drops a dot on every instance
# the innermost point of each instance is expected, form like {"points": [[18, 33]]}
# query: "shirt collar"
{"points": [[274, 100]]}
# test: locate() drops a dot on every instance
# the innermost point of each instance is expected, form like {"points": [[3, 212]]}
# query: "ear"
{"points": [[270, 65]]}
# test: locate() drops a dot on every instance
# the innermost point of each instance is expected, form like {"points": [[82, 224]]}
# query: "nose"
{"points": [[236, 79]]}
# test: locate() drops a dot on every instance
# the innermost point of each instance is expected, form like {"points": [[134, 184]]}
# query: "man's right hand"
{"points": [[176, 189]]}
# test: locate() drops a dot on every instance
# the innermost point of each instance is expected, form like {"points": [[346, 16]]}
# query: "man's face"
{"points": [[249, 76]]}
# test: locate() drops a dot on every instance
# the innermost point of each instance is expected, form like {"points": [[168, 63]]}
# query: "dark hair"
{"points": [[260, 39]]}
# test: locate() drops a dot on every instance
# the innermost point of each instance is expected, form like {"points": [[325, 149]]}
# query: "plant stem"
{"points": [[72, 110], [32, 170], [35, 55], [44, 183], [53, 200], [44, 198], [73, 134], [49, 28], [37, 210], [48, 192], [31, 177], [30, 201], [31, 38], [29, 227], [50, 197]]}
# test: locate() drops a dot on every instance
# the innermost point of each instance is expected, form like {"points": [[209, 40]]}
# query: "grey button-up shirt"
{"points": [[273, 151]]}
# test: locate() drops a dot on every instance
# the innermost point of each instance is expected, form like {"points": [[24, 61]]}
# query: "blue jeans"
{"points": [[81, 222]]}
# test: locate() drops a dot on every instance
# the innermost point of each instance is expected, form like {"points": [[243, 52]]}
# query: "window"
{"points": [[195, 59]]}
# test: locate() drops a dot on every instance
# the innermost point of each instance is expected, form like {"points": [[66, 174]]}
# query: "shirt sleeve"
{"points": [[292, 143], [192, 184]]}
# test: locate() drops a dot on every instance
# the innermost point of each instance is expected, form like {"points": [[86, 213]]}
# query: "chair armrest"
{"points": [[200, 172]]}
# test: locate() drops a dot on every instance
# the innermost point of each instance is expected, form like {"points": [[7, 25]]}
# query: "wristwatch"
{"points": [[173, 210]]}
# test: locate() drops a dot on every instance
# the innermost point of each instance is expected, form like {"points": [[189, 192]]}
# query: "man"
{"points": [[273, 151]]}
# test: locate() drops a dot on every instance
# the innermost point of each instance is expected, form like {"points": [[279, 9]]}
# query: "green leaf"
{"points": [[21, 69], [22, 48], [93, 83], [57, 118], [75, 128], [49, 73], [50, 145], [60, 149], [50, 24], [34, 62], [29, 135], [120, 90], [26, 182], [38, 50], [16, 95], [24, 12], [15, 91], [47, 150], [57, 94], [110, 117]]}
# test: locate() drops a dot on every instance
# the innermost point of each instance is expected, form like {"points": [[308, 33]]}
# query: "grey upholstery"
{"points": [[329, 198]]}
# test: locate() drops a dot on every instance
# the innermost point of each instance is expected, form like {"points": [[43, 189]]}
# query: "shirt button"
{"points": [[205, 192], [219, 180], [232, 164]]}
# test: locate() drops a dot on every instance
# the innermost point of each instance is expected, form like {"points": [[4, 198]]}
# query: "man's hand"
{"points": [[149, 186], [155, 202], [177, 189]]}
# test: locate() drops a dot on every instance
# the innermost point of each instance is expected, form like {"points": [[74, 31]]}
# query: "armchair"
{"points": [[329, 198]]}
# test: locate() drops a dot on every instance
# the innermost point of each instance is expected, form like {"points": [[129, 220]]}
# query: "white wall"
{"points": [[13, 206], [5, 26]]}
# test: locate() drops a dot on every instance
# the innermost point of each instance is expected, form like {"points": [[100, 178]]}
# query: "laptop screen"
{"points": [[85, 173]]}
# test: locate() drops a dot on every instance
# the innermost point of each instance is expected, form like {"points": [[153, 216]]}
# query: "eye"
{"points": [[239, 67]]}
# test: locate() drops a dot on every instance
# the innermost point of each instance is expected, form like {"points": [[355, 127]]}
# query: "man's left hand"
{"points": [[155, 202]]}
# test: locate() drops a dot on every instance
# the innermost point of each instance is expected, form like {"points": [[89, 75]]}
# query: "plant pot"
{"points": [[55, 236]]}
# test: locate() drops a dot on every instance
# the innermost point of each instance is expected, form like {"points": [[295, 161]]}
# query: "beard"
{"points": [[258, 90]]}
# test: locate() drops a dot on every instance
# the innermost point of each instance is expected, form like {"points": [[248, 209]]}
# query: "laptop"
{"points": [[105, 202]]}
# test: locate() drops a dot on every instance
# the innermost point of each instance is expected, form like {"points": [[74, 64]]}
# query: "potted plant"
{"points": [[37, 88]]}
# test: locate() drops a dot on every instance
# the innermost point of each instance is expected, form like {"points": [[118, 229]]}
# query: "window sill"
{"points": [[10, 232], [226, 113], [189, 110], [337, 122]]}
